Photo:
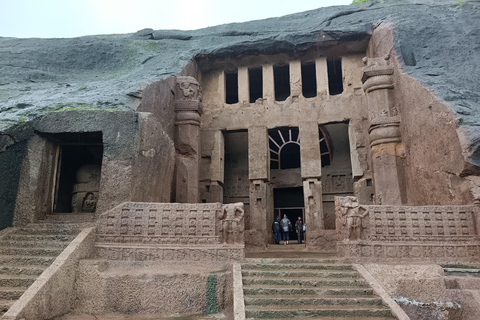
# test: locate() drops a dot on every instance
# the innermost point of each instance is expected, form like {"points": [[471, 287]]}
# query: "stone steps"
{"points": [[5, 305], [331, 318], [35, 244], [301, 290], [305, 300], [43, 252], [39, 237], [11, 293], [26, 260], [26, 270], [26, 252], [301, 274], [308, 288], [16, 280], [260, 312], [304, 282]]}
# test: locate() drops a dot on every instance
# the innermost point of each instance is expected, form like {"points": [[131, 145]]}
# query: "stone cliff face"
{"points": [[437, 43]]}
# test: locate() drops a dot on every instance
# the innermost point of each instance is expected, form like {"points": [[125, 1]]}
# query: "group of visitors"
{"points": [[282, 228]]}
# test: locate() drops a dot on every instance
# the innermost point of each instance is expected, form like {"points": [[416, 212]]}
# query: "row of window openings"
{"points": [[281, 78]]}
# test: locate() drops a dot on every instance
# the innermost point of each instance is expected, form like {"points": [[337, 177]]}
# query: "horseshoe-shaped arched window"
{"points": [[284, 144]]}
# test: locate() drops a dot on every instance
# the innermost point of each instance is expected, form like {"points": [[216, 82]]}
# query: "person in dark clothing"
{"points": [[277, 229], [286, 227], [299, 229]]}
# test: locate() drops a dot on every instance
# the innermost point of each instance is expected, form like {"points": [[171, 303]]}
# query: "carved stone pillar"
{"points": [[261, 200], [384, 131], [188, 97]]}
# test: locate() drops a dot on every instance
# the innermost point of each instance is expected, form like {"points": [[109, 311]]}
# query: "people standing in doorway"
{"points": [[277, 229], [299, 229], [286, 227]]}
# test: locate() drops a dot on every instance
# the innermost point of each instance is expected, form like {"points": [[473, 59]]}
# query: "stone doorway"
{"points": [[289, 202], [77, 172]]}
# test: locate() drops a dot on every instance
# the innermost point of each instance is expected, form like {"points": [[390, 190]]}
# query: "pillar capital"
{"points": [[375, 67], [188, 98]]}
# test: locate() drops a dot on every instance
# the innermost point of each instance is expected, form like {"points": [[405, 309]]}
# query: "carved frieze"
{"points": [[337, 183], [216, 253], [395, 232], [165, 223]]}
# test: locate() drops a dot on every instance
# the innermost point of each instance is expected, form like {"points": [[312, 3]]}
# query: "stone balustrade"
{"points": [[429, 233], [171, 231]]}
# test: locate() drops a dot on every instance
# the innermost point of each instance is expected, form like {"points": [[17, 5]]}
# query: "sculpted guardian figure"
{"points": [[351, 215], [232, 228]]}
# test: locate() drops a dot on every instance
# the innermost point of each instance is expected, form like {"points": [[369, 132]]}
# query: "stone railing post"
{"points": [[188, 97], [384, 131]]}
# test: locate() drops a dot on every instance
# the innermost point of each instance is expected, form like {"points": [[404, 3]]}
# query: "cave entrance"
{"points": [[289, 202], [78, 169]]}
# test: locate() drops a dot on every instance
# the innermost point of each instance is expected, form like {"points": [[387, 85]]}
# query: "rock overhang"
{"points": [[437, 43]]}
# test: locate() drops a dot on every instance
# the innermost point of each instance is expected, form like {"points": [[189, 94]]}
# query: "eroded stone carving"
{"points": [[231, 223], [188, 98], [351, 216]]}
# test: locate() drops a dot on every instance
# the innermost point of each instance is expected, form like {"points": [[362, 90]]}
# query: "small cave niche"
{"points": [[78, 170], [281, 77], [231, 86], [255, 83], [309, 80], [335, 77]]}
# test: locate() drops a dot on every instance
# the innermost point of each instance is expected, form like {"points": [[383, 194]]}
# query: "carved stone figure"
{"points": [[89, 203], [351, 215], [85, 190], [231, 223]]}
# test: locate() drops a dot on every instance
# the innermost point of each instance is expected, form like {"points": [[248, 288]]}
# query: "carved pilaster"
{"points": [[188, 97], [384, 131]]}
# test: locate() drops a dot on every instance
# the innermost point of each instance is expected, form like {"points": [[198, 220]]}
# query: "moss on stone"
{"points": [[211, 303]]}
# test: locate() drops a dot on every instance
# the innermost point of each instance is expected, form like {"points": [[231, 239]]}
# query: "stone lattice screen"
{"points": [[161, 223], [426, 223], [136, 231], [430, 233]]}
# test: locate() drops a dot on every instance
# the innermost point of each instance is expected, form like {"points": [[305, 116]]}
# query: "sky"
{"points": [[73, 18]]}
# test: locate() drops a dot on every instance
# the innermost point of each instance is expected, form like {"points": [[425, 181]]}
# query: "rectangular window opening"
{"points": [[309, 80], [255, 83], [281, 76], [231, 86], [335, 78]]}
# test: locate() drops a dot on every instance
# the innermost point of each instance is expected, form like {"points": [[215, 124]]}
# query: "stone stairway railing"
{"points": [[37, 268], [304, 288], [440, 234], [136, 231]]}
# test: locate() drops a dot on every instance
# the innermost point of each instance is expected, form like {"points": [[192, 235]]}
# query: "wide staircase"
{"points": [[26, 252], [308, 288]]}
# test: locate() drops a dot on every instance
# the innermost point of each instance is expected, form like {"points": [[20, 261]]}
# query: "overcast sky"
{"points": [[72, 18]]}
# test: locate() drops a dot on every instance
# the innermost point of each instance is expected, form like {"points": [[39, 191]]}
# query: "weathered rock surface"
{"points": [[438, 42]]}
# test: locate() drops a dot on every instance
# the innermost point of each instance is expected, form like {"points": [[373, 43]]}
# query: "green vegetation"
{"points": [[360, 1], [212, 306], [459, 3]]}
